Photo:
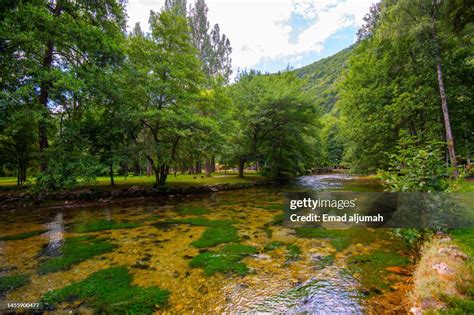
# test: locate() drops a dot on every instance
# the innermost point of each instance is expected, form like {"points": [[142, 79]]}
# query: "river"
{"points": [[289, 271]]}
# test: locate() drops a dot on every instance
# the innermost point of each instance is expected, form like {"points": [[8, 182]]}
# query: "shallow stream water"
{"points": [[319, 281]]}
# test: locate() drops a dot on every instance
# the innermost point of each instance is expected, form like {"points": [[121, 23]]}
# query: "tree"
{"points": [[55, 43], [397, 79], [276, 124], [167, 74]]}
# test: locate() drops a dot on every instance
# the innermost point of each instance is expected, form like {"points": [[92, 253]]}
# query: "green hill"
{"points": [[323, 75]]}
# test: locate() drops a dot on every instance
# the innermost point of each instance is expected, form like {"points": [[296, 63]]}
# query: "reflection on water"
{"points": [[55, 236], [159, 255]]}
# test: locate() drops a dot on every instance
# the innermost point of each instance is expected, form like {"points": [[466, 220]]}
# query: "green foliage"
{"points": [[391, 88], [12, 282], [371, 267], [322, 78], [101, 225], [69, 165], [410, 235], [277, 124], [22, 236], [76, 250], [110, 291], [226, 260], [416, 167], [194, 210], [217, 235]]}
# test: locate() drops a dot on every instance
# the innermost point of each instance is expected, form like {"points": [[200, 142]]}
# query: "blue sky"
{"points": [[269, 35]]}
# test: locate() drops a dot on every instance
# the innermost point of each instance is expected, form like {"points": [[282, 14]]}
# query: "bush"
{"points": [[417, 168]]}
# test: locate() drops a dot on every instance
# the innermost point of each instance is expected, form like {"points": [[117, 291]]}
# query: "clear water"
{"points": [[160, 256]]}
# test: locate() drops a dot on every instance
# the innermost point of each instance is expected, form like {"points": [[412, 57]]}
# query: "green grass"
{"points": [[22, 236], [194, 210], [76, 250], [293, 251], [467, 186], [11, 282], [371, 267], [340, 239], [217, 235], [179, 180], [464, 238], [110, 291], [7, 181], [226, 260], [101, 225], [201, 222]]}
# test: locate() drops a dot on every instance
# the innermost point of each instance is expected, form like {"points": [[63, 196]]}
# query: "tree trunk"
{"points": [[241, 167], [149, 168], [442, 94], [190, 168], [197, 169], [213, 163], [43, 97], [136, 168], [208, 168], [111, 173]]}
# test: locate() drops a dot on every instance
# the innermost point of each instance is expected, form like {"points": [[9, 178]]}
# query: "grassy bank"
{"points": [[444, 277], [178, 180]]}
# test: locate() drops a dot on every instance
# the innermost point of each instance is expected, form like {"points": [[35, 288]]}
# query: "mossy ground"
{"points": [[76, 250], [194, 210], [22, 236], [109, 291], [292, 251], [340, 239], [11, 282], [217, 235], [371, 267], [226, 260], [101, 225]]}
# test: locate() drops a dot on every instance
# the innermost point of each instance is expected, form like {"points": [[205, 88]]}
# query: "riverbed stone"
{"points": [[442, 269]]}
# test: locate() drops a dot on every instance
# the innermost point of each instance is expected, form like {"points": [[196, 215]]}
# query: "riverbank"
{"points": [[444, 277], [130, 188]]}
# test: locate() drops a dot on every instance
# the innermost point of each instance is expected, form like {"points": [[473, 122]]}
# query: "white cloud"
{"points": [[258, 29]]}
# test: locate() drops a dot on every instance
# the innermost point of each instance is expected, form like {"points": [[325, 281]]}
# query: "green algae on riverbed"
{"points": [[217, 235], [101, 225], [226, 260], [372, 267], [110, 291], [215, 279], [293, 251], [11, 282], [22, 236], [199, 222], [194, 210], [76, 250]]}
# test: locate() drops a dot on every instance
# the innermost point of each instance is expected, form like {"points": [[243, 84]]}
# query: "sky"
{"points": [[270, 35]]}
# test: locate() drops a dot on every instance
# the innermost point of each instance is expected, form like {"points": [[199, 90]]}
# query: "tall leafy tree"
{"points": [[53, 44], [167, 73]]}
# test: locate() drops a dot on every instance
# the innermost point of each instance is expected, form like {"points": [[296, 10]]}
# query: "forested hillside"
{"points": [[322, 77]]}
